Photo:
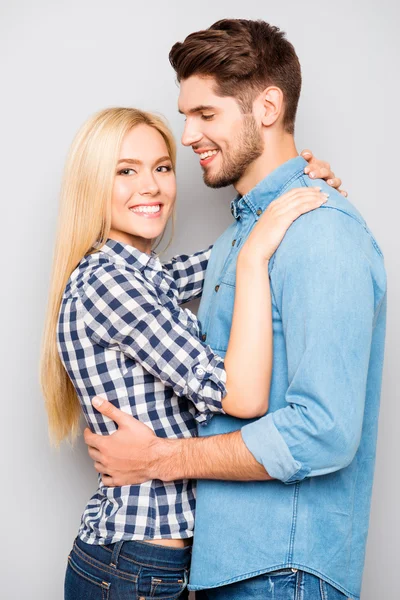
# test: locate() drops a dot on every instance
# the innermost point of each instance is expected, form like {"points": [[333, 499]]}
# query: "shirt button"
{"points": [[259, 212], [204, 337], [234, 242], [294, 570], [200, 372], [216, 288]]}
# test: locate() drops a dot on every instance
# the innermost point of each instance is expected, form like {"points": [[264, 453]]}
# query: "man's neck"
{"points": [[277, 151]]}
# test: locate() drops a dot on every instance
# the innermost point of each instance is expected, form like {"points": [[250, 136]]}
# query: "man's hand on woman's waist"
{"points": [[134, 454]]}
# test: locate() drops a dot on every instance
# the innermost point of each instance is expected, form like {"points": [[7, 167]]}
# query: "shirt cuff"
{"points": [[207, 385], [268, 447]]}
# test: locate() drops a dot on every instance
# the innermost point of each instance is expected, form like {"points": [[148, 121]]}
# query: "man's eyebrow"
{"points": [[197, 109]]}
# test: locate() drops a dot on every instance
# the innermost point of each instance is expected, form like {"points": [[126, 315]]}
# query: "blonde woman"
{"points": [[115, 328]]}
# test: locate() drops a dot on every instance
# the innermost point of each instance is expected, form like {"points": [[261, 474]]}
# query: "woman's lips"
{"points": [[148, 211]]}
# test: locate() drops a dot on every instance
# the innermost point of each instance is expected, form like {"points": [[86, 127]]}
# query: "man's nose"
{"points": [[190, 135]]}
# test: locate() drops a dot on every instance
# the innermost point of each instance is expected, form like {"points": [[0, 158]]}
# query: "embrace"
{"points": [[251, 428]]}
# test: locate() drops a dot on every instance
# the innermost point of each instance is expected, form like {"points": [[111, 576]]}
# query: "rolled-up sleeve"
{"points": [[120, 313], [324, 291]]}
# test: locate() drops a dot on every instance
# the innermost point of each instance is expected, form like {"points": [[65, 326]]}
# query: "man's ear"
{"points": [[271, 105]]}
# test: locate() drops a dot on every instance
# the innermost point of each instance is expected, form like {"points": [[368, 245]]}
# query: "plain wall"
{"points": [[62, 61]]}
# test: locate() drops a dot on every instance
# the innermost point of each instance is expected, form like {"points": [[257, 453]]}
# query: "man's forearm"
{"points": [[216, 457]]}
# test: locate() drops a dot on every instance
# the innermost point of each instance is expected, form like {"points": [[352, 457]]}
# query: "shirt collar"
{"points": [[131, 255], [267, 190]]}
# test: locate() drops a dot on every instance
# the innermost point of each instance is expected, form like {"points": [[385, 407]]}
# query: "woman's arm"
{"points": [[120, 312], [248, 361], [189, 272]]}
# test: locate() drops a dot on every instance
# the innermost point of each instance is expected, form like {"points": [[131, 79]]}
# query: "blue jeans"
{"points": [[285, 584], [126, 571]]}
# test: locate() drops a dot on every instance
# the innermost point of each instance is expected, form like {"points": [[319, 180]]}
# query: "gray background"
{"points": [[63, 61]]}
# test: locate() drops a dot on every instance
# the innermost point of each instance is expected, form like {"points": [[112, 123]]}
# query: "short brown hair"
{"points": [[244, 57]]}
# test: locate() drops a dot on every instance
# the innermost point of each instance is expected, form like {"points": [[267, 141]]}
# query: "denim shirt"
{"points": [[318, 437]]}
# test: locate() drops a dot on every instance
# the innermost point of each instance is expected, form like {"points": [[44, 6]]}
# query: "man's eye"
{"points": [[126, 172], [164, 169], [207, 117]]}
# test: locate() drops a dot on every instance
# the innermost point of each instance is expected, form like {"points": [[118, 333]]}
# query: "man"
{"points": [[283, 501]]}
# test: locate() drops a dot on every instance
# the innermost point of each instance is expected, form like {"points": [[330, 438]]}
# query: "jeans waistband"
{"points": [[141, 552]]}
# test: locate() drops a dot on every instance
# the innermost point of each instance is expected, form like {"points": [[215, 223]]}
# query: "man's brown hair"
{"points": [[244, 57]]}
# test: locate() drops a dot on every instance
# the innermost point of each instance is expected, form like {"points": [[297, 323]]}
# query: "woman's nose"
{"points": [[148, 185]]}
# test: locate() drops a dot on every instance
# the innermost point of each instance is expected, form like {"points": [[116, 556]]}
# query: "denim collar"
{"points": [[270, 188], [131, 255]]}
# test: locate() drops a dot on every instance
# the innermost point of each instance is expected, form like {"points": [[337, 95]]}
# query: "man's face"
{"points": [[226, 140]]}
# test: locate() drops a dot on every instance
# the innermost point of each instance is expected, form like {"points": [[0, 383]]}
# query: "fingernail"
{"points": [[316, 187], [306, 153], [326, 195], [330, 181], [97, 401], [307, 170], [312, 174]]}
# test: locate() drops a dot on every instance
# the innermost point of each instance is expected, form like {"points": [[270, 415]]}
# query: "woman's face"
{"points": [[144, 189]]}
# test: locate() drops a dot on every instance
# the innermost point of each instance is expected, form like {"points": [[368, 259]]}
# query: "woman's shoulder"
{"points": [[96, 268]]}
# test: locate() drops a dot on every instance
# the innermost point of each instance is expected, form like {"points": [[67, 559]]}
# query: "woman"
{"points": [[115, 327]]}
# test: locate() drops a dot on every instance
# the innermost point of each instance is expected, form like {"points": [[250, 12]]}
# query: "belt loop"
{"points": [[115, 554]]}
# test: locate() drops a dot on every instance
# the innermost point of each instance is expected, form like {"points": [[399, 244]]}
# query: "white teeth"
{"points": [[146, 209], [208, 153]]}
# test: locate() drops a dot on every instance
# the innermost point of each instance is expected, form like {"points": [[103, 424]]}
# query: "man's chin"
{"points": [[218, 182]]}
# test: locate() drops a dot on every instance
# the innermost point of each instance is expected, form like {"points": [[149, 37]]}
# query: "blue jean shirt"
{"points": [[318, 437]]}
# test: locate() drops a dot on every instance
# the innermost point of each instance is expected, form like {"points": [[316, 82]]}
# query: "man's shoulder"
{"points": [[337, 228], [337, 219]]}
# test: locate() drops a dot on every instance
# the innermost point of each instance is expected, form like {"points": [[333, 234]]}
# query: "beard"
{"points": [[247, 146]]}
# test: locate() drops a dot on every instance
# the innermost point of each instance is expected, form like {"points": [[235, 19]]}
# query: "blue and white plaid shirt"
{"points": [[122, 334]]}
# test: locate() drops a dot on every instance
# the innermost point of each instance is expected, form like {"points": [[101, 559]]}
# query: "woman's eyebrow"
{"points": [[136, 161]]}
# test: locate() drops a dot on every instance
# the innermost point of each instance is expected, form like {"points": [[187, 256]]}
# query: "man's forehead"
{"points": [[196, 91], [197, 94]]}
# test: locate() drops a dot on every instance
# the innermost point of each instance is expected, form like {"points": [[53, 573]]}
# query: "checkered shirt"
{"points": [[122, 334]]}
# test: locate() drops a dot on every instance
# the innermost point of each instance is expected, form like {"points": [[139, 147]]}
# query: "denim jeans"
{"points": [[285, 584], [126, 571]]}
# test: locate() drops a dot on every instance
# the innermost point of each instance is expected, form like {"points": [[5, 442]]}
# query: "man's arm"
{"points": [[328, 313], [325, 283], [134, 454]]}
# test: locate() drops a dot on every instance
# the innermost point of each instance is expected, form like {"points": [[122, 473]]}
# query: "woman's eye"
{"points": [[164, 169], [126, 172], [207, 117]]}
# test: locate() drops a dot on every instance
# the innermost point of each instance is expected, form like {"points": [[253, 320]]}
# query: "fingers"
{"points": [[108, 481], [108, 410], [300, 202], [300, 194], [94, 454], [307, 154], [100, 468], [343, 192], [92, 439], [335, 182], [320, 171], [300, 208]]}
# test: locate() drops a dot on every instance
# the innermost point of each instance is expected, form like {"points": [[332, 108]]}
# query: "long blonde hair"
{"points": [[84, 222]]}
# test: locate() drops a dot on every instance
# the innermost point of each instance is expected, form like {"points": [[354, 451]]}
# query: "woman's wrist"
{"points": [[251, 257]]}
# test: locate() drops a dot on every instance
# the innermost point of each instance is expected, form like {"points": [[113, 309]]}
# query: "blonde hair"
{"points": [[84, 222]]}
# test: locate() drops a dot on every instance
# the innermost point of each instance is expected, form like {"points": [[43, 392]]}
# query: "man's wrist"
{"points": [[165, 459]]}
